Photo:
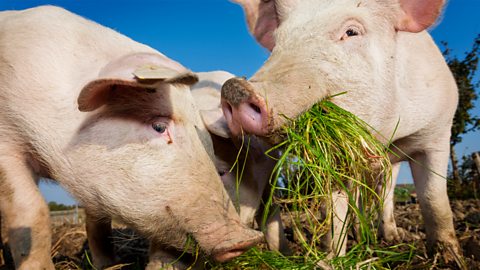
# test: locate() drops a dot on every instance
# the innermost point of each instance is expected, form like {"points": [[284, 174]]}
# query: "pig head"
{"points": [[114, 122], [244, 168], [393, 75], [161, 160]]}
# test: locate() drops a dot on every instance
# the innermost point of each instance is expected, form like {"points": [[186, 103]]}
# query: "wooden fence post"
{"points": [[476, 182], [476, 159]]}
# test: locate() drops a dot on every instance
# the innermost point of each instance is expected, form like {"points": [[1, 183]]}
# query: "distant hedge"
{"points": [[53, 206]]}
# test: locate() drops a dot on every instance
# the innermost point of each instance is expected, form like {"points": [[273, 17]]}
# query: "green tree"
{"points": [[469, 172], [464, 120], [53, 206]]}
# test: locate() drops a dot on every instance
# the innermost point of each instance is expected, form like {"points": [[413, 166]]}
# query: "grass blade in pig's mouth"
{"points": [[328, 149], [282, 134]]}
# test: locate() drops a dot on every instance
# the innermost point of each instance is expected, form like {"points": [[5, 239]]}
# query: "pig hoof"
{"points": [[392, 234], [450, 254], [397, 236]]}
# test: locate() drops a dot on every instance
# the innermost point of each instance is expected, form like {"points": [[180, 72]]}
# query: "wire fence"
{"points": [[74, 216]]}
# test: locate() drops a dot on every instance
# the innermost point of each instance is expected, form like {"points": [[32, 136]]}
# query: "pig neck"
{"points": [[415, 100], [426, 93]]}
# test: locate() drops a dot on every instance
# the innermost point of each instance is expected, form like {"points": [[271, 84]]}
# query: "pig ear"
{"points": [[262, 20], [152, 74], [215, 122], [98, 92], [418, 15]]}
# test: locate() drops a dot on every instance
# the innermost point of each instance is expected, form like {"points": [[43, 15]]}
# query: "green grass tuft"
{"points": [[326, 150]]}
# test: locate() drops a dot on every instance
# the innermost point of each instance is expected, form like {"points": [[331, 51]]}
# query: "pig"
{"points": [[246, 194], [394, 76], [114, 122]]}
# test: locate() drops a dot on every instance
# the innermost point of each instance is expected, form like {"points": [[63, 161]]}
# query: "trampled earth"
{"points": [[70, 249]]}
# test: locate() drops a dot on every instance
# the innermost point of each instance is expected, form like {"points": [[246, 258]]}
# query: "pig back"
{"points": [[47, 55]]}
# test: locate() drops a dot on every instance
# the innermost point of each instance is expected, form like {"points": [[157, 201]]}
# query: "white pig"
{"points": [[126, 146], [380, 53], [246, 194]]}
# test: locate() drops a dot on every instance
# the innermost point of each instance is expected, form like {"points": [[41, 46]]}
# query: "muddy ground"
{"points": [[70, 250]]}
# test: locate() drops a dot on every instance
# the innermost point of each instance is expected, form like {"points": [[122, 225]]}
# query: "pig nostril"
{"points": [[256, 108]]}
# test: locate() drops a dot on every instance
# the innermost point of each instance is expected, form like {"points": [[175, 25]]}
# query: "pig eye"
{"points": [[353, 29], [222, 172], [159, 127], [351, 33]]}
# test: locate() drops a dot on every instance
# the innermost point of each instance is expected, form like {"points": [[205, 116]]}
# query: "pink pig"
{"points": [[395, 78], [114, 122]]}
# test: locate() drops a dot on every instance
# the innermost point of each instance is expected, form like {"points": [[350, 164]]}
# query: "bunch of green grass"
{"points": [[395, 257], [329, 150], [257, 259]]}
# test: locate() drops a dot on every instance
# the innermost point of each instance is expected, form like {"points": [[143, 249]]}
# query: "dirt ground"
{"points": [[466, 214], [70, 250]]}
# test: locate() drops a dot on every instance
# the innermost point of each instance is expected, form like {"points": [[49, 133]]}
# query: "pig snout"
{"points": [[232, 248], [228, 241], [243, 109]]}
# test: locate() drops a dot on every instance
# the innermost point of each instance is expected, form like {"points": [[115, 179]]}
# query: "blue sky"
{"points": [[208, 35]]}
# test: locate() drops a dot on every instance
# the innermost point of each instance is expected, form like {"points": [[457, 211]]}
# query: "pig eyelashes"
{"points": [[352, 30], [349, 33]]}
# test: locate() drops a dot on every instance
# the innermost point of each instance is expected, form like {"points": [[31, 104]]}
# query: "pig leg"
{"points": [[99, 234], [274, 233], [25, 214], [388, 227], [432, 195], [335, 241], [339, 222]]}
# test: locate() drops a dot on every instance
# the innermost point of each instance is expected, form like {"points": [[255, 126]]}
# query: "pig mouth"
{"points": [[223, 253], [279, 123]]}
